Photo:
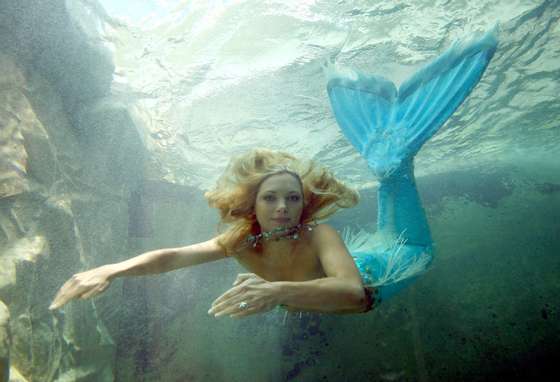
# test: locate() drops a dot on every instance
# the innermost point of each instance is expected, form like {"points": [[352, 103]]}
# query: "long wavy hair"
{"points": [[236, 191]]}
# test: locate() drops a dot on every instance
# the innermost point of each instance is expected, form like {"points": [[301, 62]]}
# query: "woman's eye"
{"points": [[294, 198], [268, 198]]}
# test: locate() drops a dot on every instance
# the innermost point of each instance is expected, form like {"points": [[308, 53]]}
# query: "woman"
{"points": [[270, 204], [270, 200]]}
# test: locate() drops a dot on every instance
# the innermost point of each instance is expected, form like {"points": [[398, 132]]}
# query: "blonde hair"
{"points": [[236, 191]]}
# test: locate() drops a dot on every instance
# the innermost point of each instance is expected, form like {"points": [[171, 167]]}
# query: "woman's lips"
{"points": [[281, 220]]}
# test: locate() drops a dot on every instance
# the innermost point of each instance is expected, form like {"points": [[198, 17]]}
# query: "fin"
{"points": [[390, 263], [360, 241], [389, 126]]}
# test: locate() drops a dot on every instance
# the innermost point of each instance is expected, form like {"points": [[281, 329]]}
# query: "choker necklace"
{"points": [[289, 233]]}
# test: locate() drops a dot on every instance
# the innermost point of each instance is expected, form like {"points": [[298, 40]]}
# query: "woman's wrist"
{"points": [[279, 293], [111, 270]]}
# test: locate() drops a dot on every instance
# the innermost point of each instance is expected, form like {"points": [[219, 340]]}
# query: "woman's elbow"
{"points": [[357, 298], [355, 301]]}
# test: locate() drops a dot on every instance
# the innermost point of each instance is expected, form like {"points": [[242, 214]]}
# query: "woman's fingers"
{"points": [[242, 277], [65, 294], [56, 303], [252, 308], [83, 286], [242, 291], [60, 300], [92, 292], [227, 310], [95, 290], [246, 312], [229, 300], [223, 302], [230, 293], [235, 309]]}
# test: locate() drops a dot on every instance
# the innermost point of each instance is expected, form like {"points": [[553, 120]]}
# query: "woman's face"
{"points": [[279, 202]]}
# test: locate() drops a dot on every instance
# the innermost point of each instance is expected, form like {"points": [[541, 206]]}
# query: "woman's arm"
{"points": [[169, 259], [329, 295], [90, 283], [340, 292]]}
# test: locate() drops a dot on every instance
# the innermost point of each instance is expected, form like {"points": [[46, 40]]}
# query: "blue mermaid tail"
{"points": [[388, 127]]}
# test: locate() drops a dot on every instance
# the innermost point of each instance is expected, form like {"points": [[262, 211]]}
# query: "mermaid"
{"points": [[269, 203]]}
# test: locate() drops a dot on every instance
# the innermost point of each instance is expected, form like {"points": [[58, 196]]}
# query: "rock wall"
{"points": [[65, 182], [74, 194]]}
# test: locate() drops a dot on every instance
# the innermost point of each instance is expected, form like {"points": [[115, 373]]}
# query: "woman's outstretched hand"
{"points": [[250, 295], [83, 285]]}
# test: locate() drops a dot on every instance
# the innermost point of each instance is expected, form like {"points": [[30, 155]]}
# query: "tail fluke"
{"points": [[389, 126]]}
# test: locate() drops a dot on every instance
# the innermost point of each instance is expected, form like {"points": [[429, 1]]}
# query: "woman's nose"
{"points": [[281, 206]]}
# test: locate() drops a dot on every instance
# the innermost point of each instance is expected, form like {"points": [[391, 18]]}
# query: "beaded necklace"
{"points": [[288, 233]]}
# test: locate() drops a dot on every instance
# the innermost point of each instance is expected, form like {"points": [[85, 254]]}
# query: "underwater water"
{"points": [[233, 75], [205, 80], [195, 67]]}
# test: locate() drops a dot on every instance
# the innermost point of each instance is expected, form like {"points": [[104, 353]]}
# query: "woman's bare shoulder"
{"points": [[325, 238], [322, 231]]}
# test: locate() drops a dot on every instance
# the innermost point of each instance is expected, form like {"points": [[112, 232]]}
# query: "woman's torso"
{"points": [[285, 260]]}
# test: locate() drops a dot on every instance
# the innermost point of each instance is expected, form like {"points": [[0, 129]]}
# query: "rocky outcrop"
{"points": [[41, 238], [65, 181]]}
